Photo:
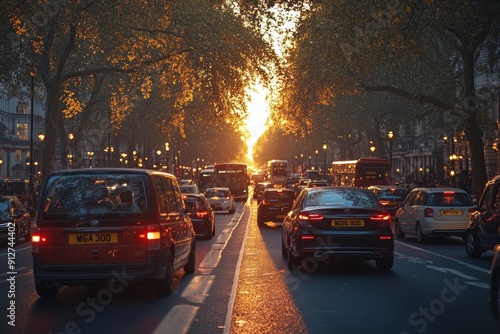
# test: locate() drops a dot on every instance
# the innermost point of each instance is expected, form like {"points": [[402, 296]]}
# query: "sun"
{"points": [[258, 113]]}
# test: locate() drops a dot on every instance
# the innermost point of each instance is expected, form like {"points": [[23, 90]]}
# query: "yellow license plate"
{"points": [[347, 223], [451, 212], [92, 238]]}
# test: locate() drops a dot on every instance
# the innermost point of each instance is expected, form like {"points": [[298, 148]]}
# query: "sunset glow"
{"points": [[258, 113]]}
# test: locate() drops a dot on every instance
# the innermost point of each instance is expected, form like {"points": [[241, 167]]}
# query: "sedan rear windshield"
{"points": [[106, 194], [276, 195], [342, 198]]}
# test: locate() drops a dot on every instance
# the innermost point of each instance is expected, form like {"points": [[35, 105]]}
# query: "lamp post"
{"points": [[325, 147], [372, 147], [90, 154], [167, 154], [316, 152], [123, 159], [71, 137], [390, 135], [158, 155]]}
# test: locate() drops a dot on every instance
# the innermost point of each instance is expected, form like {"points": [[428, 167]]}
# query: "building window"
{"points": [[22, 131], [18, 155], [22, 107]]}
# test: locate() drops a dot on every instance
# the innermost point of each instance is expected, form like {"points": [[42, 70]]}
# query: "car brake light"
{"points": [[265, 202], [306, 217], [384, 202], [152, 236], [448, 193], [385, 237], [382, 217], [428, 212], [201, 214]]}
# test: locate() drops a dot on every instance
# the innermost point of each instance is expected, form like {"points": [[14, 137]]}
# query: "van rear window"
{"points": [[95, 194]]}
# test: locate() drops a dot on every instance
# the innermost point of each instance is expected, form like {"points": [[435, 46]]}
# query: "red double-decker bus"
{"points": [[363, 172]]}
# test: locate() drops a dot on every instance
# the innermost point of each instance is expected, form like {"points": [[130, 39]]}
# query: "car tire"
{"points": [[166, 285], [260, 221], [473, 245], [283, 248], [418, 233], [44, 291], [190, 266], [291, 262], [385, 263], [397, 230]]}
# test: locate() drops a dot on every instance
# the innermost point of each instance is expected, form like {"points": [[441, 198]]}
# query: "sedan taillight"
{"points": [[202, 213], [265, 202], [305, 218]]}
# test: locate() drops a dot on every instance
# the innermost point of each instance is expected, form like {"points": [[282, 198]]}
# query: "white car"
{"points": [[221, 199], [433, 212]]}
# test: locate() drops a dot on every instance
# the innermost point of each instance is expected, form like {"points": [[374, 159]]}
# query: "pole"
{"points": [[32, 112]]}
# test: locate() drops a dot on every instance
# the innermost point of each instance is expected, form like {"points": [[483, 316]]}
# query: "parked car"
{"points": [[433, 212], [274, 205], [83, 235], [221, 199], [390, 197], [494, 274], [15, 222], [482, 233], [329, 223], [201, 214], [189, 189]]}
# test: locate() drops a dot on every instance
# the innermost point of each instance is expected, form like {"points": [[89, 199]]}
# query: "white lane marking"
{"points": [[452, 271], [468, 265], [178, 320], [211, 260], [197, 290], [232, 297]]}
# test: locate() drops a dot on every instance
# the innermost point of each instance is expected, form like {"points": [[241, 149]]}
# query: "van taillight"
{"points": [[36, 239], [202, 213], [152, 236], [428, 212]]}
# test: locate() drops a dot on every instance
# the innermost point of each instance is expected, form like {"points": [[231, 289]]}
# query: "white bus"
{"points": [[278, 171]]}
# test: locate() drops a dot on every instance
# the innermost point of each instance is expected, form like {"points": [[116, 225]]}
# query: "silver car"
{"points": [[221, 199], [433, 212]]}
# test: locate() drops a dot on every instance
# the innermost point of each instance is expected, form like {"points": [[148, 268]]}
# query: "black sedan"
{"points": [[15, 221], [201, 214], [328, 223], [274, 205]]}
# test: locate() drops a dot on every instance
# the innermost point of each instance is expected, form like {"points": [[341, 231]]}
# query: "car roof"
{"points": [[217, 188], [279, 190]]}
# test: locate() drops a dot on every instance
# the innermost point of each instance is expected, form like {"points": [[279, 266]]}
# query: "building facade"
{"points": [[20, 125]]}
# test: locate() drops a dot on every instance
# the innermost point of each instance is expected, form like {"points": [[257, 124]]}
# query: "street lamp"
{"points": [[324, 159], [372, 147], [316, 152], [90, 154], [71, 150], [123, 159], [390, 135]]}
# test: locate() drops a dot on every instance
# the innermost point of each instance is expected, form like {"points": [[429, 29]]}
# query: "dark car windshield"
{"points": [[77, 195], [4, 206], [342, 198]]}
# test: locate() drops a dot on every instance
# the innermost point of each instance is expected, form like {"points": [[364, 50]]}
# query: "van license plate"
{"points": [[92, 238]]}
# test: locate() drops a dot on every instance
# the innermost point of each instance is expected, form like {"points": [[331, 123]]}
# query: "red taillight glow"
{"points": [[384, 202], [307, 237], [201, 214], [384, 217], [385, 237], [35, 238], [310, 216], [449, 193], [153, 236], [428, 212], [265, 202]]}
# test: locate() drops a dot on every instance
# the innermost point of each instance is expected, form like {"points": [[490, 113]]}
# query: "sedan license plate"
{"points": [[92, 238], [347, 223], [451, 212]]}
